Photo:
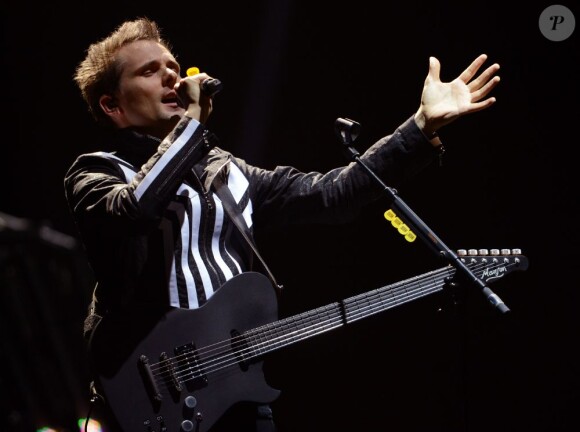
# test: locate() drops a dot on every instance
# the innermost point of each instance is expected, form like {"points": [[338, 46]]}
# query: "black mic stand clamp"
{"points": [[347, 131]]}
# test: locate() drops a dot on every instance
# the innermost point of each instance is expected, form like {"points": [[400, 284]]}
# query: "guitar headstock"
{"points": [[492, 264]]}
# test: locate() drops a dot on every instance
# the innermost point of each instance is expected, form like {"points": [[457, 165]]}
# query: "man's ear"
{"points": [[108, 104]]}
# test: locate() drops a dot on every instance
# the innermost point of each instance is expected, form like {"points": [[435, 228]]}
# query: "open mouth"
{"points": [[173, 101]]}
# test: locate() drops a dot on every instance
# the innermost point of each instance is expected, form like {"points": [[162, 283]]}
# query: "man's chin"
{"points": [[161, 128], [172, 122], [177, 116]]}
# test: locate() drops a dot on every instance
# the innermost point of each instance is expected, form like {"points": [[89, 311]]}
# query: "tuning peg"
{"points": [[492, 252]]}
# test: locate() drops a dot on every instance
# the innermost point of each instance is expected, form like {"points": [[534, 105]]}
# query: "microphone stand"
{"points": [[348, 130]]}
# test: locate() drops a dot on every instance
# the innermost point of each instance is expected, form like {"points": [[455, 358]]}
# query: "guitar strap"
{"points": [[231, 206], [264, 419]]}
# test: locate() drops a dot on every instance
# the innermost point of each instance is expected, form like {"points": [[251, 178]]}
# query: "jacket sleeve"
{"points": [[96, 184], [286, 195]]}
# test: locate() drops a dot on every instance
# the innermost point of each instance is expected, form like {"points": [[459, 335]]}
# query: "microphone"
{"points": [[209, 87]]}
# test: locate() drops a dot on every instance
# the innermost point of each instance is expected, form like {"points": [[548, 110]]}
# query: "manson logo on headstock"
{"points": [[494, 273]]}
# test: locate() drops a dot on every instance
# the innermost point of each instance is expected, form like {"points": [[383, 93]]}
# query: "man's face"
{"points": [[145, 98]]}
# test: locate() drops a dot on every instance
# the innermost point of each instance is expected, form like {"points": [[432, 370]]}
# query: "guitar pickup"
{"points": [[188, 365]]}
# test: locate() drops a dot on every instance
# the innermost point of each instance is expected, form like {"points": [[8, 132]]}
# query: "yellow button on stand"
{"points": [[400, 226]]}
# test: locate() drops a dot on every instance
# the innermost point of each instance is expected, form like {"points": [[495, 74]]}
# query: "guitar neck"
{"points": [[279, 334], [299, 327]]}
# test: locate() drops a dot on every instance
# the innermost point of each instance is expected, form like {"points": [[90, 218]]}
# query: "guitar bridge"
{"points": [[167, 365], [150, 383]]}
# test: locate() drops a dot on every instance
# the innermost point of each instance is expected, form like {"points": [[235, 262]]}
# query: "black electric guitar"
{"points": [[180, 370]]}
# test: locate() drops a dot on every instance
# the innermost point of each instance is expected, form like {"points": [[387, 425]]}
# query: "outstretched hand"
{"points": [[443, 102]]}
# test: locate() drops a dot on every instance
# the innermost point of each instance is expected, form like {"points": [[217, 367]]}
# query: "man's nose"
{"points": [[170, 77]]}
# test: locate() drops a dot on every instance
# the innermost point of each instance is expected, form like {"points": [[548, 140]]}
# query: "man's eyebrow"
{"points": [[175, 63], [156, 63], [147, 65]]}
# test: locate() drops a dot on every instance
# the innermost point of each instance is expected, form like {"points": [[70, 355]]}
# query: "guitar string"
{"points": [[194, 370], [366, 296], [216, 360], [333, 319], [295, 318], [410, 294], [207, 368], [215, 364]]}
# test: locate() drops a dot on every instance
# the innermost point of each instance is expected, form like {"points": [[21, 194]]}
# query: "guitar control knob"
{"points": [[186, 425], [190, 402]]}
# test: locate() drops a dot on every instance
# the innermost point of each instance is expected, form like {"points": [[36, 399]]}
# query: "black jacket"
{"points": [[154, 229]]}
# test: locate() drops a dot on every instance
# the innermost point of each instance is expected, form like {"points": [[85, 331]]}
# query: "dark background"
{"points": [[289, 69]]}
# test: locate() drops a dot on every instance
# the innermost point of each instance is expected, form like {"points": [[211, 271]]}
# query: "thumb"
{"points": [[434, 69]]}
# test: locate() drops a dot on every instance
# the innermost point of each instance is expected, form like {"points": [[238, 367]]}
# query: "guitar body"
{"points": [[181, 370], [175, 369]]}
